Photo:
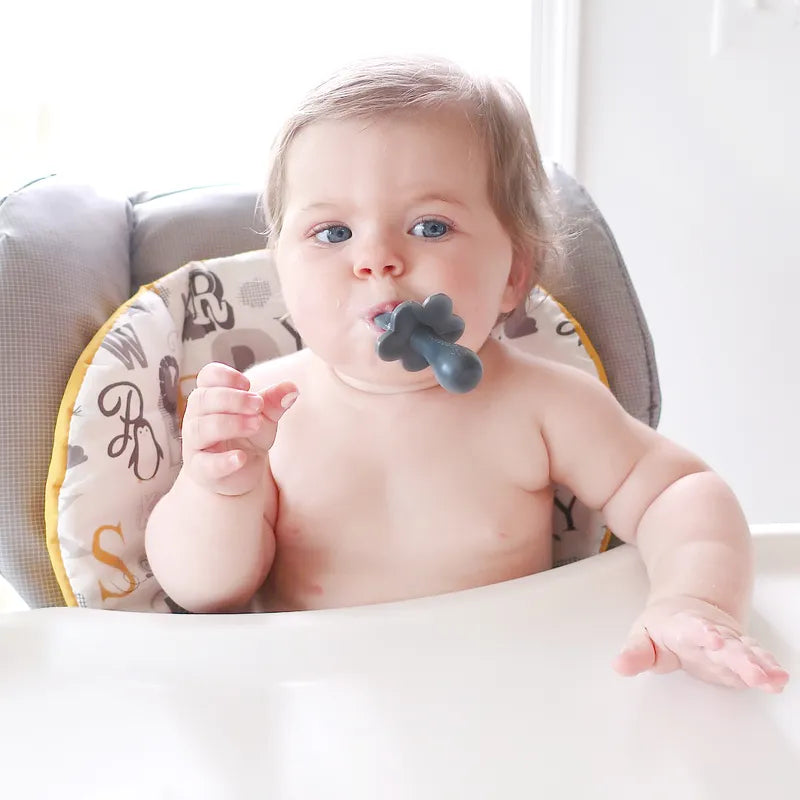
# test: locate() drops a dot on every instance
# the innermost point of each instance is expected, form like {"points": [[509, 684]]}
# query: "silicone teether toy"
{"points": [[425, 335]]}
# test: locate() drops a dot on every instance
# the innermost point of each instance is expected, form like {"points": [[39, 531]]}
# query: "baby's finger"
{"points": [[736, 656], [214, 466], [223, 400], [637, 655], [724, 677], [777, 676], [218, 374], [764, 656], [277, 399], [206, 430]]}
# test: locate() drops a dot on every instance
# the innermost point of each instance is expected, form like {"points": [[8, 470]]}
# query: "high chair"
{"points": [[500, 691]]}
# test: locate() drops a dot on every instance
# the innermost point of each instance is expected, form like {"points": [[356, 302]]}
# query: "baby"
{"points": [[331, 478]]}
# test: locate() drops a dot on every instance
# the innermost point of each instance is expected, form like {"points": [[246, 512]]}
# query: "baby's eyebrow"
{"points": [[437, 197], [318, 205]]}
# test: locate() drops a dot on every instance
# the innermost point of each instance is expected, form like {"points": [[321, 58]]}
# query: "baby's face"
{"points": [[384, 210]]}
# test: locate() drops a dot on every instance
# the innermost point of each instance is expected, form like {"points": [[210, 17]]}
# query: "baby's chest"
{"points": [[347, 476]]}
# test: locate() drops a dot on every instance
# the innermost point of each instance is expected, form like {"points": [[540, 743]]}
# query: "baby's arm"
{"points": [[686, 522], [210, 552], [210, 539]]}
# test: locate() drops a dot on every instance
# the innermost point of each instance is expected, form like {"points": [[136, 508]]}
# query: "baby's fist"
{"points": [[228, 429]]}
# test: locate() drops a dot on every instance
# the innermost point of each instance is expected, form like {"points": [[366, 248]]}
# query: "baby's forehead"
{"points": [[429, 140], [449, 121]]}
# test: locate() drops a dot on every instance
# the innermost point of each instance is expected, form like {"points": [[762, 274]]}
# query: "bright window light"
{"points": [[152, 95]]}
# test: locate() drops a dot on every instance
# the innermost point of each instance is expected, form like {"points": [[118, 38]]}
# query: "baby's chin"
{"points": [[381, 377], [358, 366]]}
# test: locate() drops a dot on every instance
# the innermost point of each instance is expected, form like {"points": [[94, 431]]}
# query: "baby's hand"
{"points": [[227, 429], [691, 634]]}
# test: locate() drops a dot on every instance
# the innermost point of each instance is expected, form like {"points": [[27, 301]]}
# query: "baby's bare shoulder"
{"points": [[554, 392], [548, 377], [292, 367]]}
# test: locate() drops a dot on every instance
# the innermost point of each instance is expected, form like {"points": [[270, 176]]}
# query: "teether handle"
{"points": [[457, 368]]}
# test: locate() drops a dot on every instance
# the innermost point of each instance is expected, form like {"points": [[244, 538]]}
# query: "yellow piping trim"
{"points": [[587, 343], [58, 462]]}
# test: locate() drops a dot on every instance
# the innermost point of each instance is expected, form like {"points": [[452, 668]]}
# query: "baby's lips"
{"points": [[386, 307]]}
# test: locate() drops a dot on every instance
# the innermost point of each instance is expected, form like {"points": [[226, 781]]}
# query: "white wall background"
{"points": [[694, 159]]}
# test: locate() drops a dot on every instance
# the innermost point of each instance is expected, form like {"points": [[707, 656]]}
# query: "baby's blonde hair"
{"points": [[519, 189]]}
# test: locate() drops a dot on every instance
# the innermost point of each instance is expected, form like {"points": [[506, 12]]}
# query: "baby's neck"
{"points": [[422, 386], [428, 381]]}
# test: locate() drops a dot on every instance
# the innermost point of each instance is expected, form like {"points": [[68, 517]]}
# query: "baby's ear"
{"points": [[518, 282]]}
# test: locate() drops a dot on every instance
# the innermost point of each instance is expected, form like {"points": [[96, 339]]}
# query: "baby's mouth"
{"points": [[376, 311]]}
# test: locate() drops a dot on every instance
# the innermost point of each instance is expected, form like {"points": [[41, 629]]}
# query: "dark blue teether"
{"points": [[424, 335]]}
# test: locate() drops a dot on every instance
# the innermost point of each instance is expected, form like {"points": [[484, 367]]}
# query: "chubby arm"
{"points": [[686, 522], [210, 539], [210, 552]]}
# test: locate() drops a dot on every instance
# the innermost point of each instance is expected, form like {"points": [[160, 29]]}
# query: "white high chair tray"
{"points": [[500, 692]]}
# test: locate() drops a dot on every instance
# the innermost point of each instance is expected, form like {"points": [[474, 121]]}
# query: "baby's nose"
{"points": [[367, 270], [379, 255]]}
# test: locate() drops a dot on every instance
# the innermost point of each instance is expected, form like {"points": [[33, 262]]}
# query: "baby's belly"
{"points": [[374, 555]]}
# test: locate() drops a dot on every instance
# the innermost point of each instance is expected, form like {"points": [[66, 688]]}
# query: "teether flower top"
{"points": [[425, 334]]}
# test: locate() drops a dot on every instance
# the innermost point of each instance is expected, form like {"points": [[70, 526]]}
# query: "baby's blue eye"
{"points": [[430, 229], [333, 234]]}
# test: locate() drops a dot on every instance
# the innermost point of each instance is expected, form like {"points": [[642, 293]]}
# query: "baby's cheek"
{"points": [[320, 319], [304, 296], [309, 316], [475, 300], [453, 274]]}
